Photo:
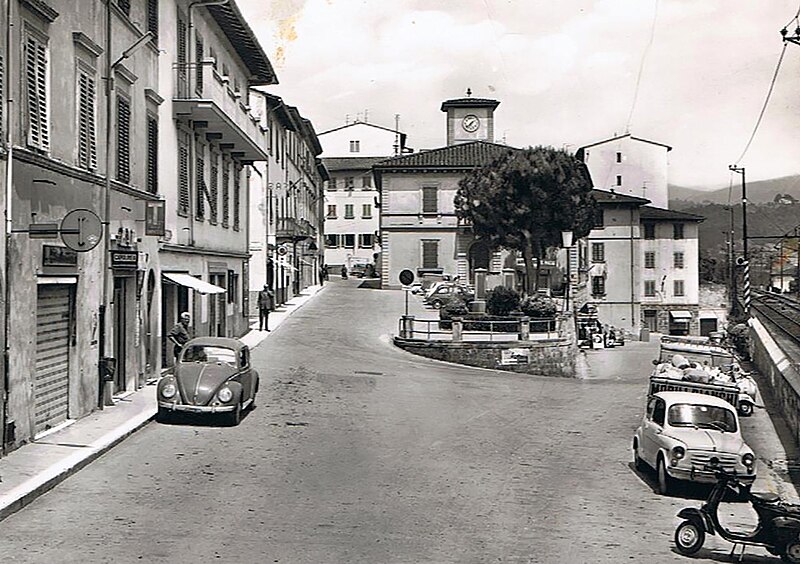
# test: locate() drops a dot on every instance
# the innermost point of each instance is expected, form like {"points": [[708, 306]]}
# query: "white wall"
{"points": [[374, 141]]}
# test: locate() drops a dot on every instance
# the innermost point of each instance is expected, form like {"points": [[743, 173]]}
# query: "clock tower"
{"points": [[469, 119]]}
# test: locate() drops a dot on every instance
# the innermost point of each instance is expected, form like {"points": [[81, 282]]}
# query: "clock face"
{"points": [[470, 123]]}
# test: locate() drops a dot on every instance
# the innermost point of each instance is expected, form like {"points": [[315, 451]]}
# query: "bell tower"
{"points": [[469, 119]]}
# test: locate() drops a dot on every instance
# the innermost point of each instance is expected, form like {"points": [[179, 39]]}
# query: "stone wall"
{"points": [[547, 357]]}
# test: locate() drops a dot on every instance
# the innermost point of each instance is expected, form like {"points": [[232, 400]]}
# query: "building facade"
{"points": [[629, 165], [352, 212]]}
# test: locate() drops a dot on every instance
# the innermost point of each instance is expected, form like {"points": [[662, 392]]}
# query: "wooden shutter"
{"points": [[430, 199], [123, 140], [87, 140], [183, 175], [237, 172], [226, 180], [182, 54], [125, 6], [213, 188], [152, 155], [430, 254], [152, 17], [36, 82], [200, 185], [198, 59]]}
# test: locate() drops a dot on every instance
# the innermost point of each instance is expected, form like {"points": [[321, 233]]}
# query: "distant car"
{"points": [[359, 270], [682, 432], [213, 375], [441, 293], [416, 288]]}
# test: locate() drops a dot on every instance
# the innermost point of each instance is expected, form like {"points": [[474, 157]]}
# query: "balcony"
{"points": [[219, 110], [294, 229]]}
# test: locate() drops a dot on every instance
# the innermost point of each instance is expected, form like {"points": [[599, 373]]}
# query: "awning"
{"points": [[681, 315], [285, 264], [192, 282]]}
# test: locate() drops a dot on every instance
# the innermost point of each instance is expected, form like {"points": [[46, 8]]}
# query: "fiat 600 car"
{"points": [[212, 375], [682, 432]]}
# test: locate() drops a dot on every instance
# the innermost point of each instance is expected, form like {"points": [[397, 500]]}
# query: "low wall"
{"points": [[781, 373], [546, 357]]}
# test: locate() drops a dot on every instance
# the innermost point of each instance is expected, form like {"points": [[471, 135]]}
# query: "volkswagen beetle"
{"points": [[212, 375]]}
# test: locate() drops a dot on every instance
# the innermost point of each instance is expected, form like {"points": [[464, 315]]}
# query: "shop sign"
{"points": [[515, 356], [124, 260], [154, 220], [58, 256]]}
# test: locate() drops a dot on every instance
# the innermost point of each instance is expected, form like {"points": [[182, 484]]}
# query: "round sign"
{"points": [[81, 230], [406, 277], [282, 250]]}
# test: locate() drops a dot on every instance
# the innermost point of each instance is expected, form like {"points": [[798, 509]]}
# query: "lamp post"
{"points": [[566, 242], [102, 364]]}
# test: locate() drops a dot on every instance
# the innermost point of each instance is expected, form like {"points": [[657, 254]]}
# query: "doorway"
{"points": [[120, 333]]}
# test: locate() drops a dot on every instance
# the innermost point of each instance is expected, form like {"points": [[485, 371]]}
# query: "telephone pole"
{"points": [[745, 256]]}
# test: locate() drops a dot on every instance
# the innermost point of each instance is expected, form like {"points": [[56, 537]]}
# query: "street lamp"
{"points": [[566, 242], [102, 363]]}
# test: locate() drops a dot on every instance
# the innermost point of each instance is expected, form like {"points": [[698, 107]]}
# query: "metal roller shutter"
{"points": [[51, 392]]}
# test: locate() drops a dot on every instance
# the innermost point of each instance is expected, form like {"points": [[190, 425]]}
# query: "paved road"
{"points": [[362, 453]]}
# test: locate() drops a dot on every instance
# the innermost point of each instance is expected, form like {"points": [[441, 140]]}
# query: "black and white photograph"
{"points": [[409, 282]]}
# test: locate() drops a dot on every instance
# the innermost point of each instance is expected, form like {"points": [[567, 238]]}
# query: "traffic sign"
{"points": [[406, 277], [81, 230]]}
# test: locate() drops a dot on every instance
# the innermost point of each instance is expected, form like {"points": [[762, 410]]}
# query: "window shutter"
{"points": [[123, 140], [36, 80], [200, 185], [430, 254], [430, 199], [87, 141], [213, 198], [152, 17], [181, 54], [125, 6], [152, 155], [226, 180], [237, 172], [198, 59], [183, 176]]}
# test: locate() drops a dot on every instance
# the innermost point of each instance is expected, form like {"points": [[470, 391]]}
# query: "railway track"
{"points": [[780, 311]]}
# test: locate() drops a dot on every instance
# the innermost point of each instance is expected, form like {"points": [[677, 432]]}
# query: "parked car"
{"points": [[213, 375], [416, 288], [682, 432], [437, 298], [358, 270]]}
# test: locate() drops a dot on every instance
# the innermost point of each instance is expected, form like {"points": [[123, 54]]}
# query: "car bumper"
{"points": [[196, 408], [705, 477]]}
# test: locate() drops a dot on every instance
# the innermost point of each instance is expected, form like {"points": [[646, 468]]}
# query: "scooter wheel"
{"points": [[689, 538], [791, 552]]}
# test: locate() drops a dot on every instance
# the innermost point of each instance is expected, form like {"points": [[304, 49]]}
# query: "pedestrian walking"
{"points": [[344, 273], [266, 303], [180, 333], [325, 272]]}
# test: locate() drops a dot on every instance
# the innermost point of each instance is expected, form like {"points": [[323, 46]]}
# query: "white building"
{"points": [[351, 200], [629, 165]]}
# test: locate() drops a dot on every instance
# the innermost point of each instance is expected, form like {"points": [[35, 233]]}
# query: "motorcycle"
{"points": [[778, 528]]}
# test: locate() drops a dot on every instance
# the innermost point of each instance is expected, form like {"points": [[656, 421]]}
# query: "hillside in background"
{"points": [[759, 192], [763, 220]]}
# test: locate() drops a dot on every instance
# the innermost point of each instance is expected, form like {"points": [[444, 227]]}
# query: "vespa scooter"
{"points": [[778, 528]]}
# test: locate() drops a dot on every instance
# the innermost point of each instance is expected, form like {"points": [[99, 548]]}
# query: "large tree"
{"points": [[525, 199]]}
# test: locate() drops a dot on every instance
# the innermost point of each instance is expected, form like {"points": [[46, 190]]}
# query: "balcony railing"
{"points": [[208, 99]]}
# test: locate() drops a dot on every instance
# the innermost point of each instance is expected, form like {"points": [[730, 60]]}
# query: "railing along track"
{"points": [[780, 311]]}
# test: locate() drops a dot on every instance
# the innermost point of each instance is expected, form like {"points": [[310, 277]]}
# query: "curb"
{"points": [[28, 491]]}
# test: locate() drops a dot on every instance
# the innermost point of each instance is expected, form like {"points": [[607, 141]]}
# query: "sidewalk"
{"points": [[40, 465]]}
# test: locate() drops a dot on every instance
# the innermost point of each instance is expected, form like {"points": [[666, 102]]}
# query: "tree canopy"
{"points": [[525, 199]]}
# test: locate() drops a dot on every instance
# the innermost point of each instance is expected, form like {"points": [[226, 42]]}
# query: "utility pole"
{"points": [[732, 267], [797, 263], [746, 262]]}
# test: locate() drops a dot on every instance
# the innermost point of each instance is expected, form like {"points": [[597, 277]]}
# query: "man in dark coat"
{"points": [[181, 333], [266, 303]]}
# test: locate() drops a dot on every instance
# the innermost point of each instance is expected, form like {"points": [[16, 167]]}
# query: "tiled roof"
{"points": [[350, 163], [607, 197], [462, 156], [650, 212], [469, 103], [234, 26]]}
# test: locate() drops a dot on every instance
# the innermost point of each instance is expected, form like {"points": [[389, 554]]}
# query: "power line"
{"points": [[641, 67]]}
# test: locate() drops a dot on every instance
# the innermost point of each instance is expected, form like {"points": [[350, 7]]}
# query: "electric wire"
{"points": [[641, 67]]}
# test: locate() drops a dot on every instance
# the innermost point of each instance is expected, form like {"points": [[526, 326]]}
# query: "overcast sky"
{"points": [[564, 71]]}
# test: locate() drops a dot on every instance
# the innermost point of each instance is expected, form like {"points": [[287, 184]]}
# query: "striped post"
{"points": [[747, 287]]}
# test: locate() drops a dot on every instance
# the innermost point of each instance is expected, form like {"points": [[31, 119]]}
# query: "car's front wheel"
{"points": [[689, 538], [791, 552], [235, 416], [745, 409], [664, 479]]}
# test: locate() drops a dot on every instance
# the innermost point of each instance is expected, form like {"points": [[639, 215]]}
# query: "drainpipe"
{"points": [[8, 220]]}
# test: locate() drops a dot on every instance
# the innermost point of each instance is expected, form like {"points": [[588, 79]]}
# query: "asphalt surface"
{"points": [[361, 453]]}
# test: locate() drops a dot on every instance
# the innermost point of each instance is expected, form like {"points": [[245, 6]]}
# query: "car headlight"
{"points": [[678, 453], [225, 395], [748, 460], [168, 391]]}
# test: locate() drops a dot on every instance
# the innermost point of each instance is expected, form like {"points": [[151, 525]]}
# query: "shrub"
{"points": [[501, 301], [454, 306], [538, 306]]}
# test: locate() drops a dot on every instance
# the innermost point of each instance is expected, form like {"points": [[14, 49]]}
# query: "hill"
{"points": [[758, 192]]}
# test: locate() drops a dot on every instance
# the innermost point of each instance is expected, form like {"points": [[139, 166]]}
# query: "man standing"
{"points": [[266, 303], [180, 334]]}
